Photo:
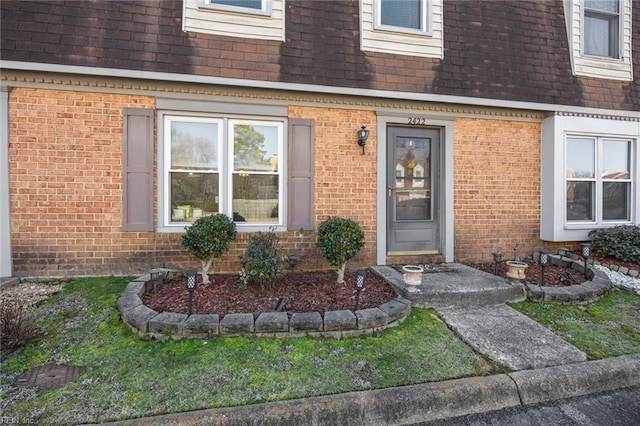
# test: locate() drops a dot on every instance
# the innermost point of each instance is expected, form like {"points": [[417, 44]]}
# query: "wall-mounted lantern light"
{"points": [[363, 135]]}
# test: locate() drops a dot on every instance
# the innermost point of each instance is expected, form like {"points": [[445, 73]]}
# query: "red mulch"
{"points": [[554, 276], [303, 292]]}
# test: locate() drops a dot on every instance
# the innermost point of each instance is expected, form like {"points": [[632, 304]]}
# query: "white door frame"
{"points": [[6, 262], [445, 188]]}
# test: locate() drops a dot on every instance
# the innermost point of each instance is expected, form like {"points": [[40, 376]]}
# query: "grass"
{"points": [[128, 377], [607, 328]]}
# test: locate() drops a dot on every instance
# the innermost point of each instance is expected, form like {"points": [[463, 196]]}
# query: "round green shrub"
{"points": [[339, 240], [621, 242], [208, 238]]}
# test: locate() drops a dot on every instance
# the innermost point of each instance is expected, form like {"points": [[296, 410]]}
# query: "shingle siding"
{"points": [[493, 49]]}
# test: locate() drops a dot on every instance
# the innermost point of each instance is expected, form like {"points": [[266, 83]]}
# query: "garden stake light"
{"points": [[544, 262], [562, 252], [586, 252], [244, 277], [156, 278], [293, 261], [191, 275], [497, 258], [360, 274]]}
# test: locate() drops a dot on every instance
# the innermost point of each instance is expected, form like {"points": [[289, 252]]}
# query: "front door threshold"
{"points": [[412, 253]]}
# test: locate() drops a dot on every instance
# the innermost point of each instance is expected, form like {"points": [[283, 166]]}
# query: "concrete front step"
{"points": [[509, 337], [454, 285]]}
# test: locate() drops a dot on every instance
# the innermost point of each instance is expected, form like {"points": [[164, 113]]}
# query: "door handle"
{"points": [[389, 189]]}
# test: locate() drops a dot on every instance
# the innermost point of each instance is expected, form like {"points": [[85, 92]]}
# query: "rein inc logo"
{"points": [[10, 420]]}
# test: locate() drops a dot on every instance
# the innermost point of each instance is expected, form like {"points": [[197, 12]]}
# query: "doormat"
{"points": [[49, 376], [428, 268]]}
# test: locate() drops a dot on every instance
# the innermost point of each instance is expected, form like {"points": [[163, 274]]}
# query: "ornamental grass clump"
{"points": [[17, 324], [339, 240], [208, 238], [621, 242]]}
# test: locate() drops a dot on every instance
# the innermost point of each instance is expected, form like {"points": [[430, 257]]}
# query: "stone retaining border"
{"points": [[335, 324], [580, 294]]}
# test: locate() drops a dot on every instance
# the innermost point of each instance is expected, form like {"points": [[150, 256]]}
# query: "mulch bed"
{"points": [[302, 292], [554, 276]]}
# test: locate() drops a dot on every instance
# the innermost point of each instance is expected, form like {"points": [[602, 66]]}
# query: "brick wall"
{"points": [[66, 187], [345, 180], [497, 188]]}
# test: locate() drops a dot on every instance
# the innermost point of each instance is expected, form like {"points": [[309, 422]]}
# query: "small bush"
{"points": [[621, 242], [208, 238], [339, 240], [17, 325], [262, 257]]}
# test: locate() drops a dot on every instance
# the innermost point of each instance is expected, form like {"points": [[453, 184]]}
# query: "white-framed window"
{"points": [[403, 15], [590, 175], [599, 34], [254, 19], [601, 30], [241, 6], [221, 164], [405, 27], [598, 179]]}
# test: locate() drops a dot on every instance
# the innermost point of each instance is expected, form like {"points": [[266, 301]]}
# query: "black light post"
{"points": [[293, 261], [360, 274], [545, 260], [497, 258], [244, 277], [191, 275], [586, 252], [157, 276]]}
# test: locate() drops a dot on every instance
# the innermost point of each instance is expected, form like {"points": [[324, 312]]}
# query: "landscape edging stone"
{"points": [[335, 324]]}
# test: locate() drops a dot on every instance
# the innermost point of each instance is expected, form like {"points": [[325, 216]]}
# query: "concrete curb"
{"points": [[424, 402]]}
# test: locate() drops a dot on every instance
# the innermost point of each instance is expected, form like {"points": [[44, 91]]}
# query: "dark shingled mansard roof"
{"points": [[507, 50]]}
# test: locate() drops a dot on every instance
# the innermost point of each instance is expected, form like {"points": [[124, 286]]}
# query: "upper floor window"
{"points": [[403, 15], [402, 27], [599, 34], [243, 6], [602, 28], [252, 19]]}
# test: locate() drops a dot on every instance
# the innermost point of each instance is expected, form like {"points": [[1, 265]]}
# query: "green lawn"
{"points": [[129, 377], [607, 328]]}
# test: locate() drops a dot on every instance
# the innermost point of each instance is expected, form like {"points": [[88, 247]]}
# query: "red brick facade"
{"points": [[66, 187]]}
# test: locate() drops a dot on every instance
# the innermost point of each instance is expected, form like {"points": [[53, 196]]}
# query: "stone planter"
{"points": [[412, 274], [516, 270]]}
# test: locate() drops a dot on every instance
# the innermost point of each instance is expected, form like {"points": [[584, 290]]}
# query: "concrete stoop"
{"points": [[457, 285], [509, 337]]}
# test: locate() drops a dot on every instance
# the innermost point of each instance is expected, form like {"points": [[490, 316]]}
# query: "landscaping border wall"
{"points": [[334, 324]]}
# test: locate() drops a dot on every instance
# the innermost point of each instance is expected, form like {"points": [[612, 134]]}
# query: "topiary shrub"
{"points": [[208, 238], [621, 242], [339, 240], [262, 257]]}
